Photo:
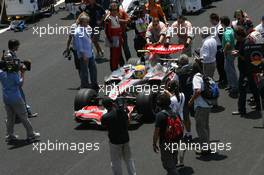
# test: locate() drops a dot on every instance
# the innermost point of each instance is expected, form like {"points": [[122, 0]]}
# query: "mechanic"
{"points": [[156, 32], [96, 13], [85, 53], [260, 27], [13, 46], [155, 11], [114, 38], [124, 21], [168, 158], [220, 59], [116, 122], [228, 44], [177, 104], [246, 69], [183, 29], [202, 110], [14, 103], [140, 25]]}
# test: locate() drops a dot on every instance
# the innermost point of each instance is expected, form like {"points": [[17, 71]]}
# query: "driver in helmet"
{"points": [[140, 72]]}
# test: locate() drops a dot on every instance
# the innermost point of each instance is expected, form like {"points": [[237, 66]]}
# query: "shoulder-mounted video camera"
{"points": [[9, 64]]}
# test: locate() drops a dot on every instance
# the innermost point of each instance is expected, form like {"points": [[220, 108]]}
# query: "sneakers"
{"points": [[203, 152], [11, 138], [30, 115], [34, 136], [242, 114], [187, 138]]}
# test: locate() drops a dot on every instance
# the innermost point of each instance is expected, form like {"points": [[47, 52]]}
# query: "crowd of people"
{"points": [[183, 96]]}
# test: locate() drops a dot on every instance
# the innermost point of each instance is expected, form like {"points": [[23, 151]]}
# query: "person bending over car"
{"points": [[156, 32], [14, 103], [116, 122], [183, 30]]}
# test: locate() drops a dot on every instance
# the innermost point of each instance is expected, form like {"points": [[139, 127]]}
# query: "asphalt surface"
{"points": [[49, 88]]}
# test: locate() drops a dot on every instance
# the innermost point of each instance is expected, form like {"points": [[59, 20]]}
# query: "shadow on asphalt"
{"points": [[69, 17], [212, 157], [218, 109], [73, 89], [101, 60], [186, 170], [88, 126], [258, 127], [20, 143], [253, 115]]}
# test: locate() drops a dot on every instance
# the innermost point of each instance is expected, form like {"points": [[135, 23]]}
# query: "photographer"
{"points": [[116, 121], [13, 46], [13, 99]]}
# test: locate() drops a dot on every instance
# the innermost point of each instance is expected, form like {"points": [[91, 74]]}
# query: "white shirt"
{"points": [[218, 30], [260, 29], [208, 50], [177, 105], [198, 84]]}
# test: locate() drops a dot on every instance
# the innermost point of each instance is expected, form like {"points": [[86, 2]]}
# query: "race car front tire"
{"points": [[84, 98], [146, 106]]}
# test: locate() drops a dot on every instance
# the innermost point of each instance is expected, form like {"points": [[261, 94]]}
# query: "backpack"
{"points": [[185, 81], [211, 90], [174, 129]]}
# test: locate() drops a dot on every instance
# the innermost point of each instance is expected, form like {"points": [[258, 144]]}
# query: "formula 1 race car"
{"points": [[136, 84]]}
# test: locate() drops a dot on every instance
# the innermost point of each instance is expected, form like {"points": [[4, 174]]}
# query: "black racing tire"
{"points": [[145, 104], [134, 61], [84, 98]]}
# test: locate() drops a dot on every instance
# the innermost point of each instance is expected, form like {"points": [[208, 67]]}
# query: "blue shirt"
{"points": [[10, 86], [83, 42]]}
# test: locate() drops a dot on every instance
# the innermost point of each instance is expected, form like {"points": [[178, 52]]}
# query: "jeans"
{"points": [[169, 160], [126, 47], [209, 69], [17, 110], [28, 108], [86, 69], [202, 124], [117, 152], [231, 72], [220, 64], [243, 92]]}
